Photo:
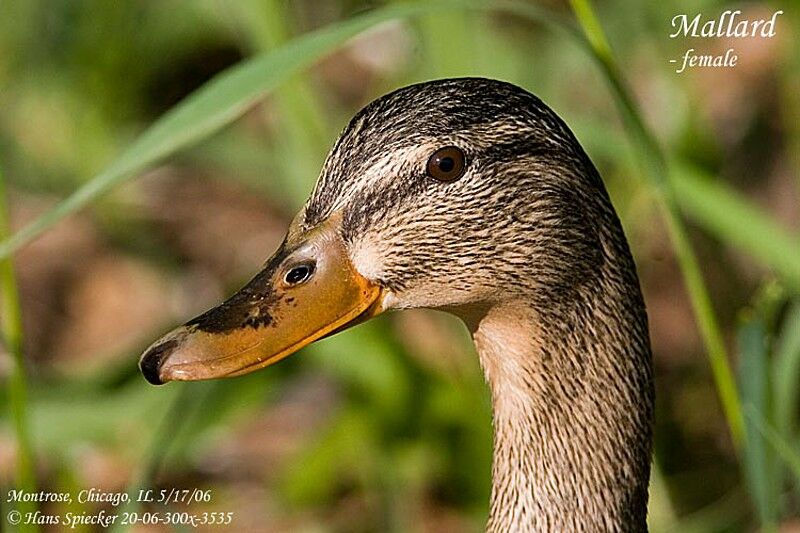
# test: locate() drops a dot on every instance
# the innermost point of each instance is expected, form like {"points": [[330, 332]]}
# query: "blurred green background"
{"points": [[386, 427]]}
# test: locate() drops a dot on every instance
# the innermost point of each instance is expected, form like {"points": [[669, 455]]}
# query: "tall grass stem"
{"points": [[656, 168], [11, 325]]}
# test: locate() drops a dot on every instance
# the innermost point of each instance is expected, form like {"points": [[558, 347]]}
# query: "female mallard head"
{"points": [[450, 194], [471, 196]]}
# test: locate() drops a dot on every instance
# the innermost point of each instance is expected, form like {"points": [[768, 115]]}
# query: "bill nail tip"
{"points": [[152, 362]]}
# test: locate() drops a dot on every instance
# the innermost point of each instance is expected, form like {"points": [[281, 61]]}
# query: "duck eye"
{"points": [[446, 164], [299, 274]]}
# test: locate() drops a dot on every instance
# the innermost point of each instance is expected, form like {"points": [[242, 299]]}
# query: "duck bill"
{"points": [[272, 316]]}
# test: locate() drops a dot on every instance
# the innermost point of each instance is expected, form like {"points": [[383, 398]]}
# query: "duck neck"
{"points": [[572, 406]]}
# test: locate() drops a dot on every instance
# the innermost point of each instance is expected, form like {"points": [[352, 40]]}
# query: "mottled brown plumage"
{"points": [[524, 246]]}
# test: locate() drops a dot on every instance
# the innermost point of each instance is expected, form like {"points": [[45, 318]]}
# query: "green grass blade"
{"points": [[11, 328], [654, 164], [593, 30], [172, 422], [721, 211], [214, 105], [789, 454], [762, 478], [786, 376], [305, 134], [229, 94]]}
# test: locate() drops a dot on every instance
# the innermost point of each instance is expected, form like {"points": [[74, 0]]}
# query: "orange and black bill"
{"points": [[306, 291]]}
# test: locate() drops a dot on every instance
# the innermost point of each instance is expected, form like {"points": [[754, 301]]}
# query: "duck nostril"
{"points": [[299, 274], [150, 363]]}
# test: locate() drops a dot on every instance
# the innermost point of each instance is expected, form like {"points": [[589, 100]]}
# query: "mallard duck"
{"points": [[473, 197]]}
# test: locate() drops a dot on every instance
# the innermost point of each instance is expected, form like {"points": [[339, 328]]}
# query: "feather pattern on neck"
{"points": [[572, 403]]}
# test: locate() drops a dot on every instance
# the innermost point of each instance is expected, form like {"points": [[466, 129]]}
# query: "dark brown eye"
{"points": [[446, 164]]}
